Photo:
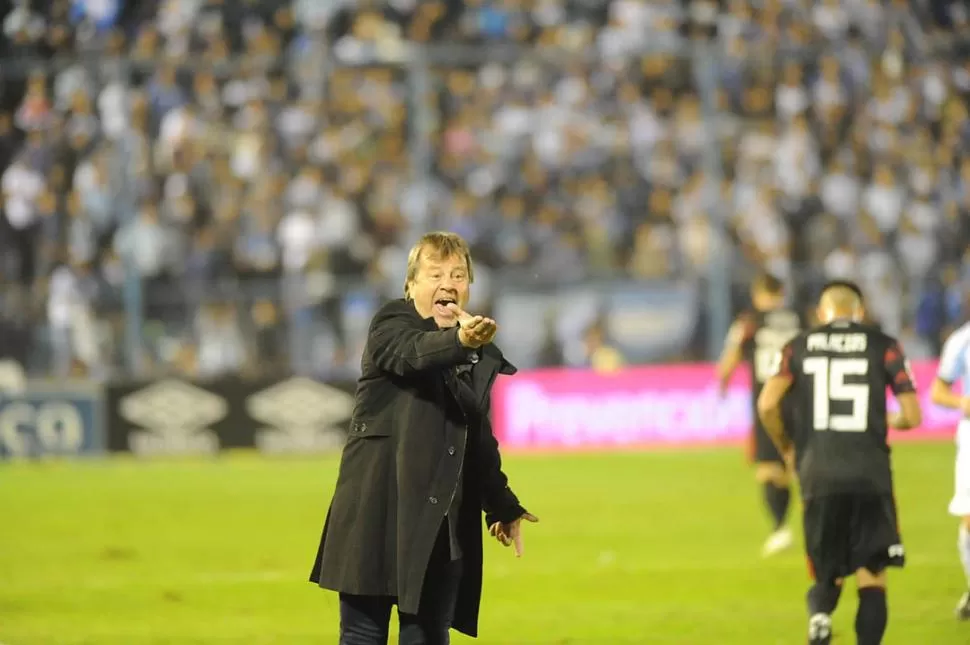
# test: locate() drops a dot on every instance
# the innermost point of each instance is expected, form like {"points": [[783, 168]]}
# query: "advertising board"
{"points": [[48, 418], [656, 405], [175, 416]]}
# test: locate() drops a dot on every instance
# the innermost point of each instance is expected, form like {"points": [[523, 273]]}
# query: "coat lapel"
{"points": [[491, 365]]}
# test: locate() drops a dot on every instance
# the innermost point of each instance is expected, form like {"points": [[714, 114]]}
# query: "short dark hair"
{"points": [[843, 284], [769, 284]]}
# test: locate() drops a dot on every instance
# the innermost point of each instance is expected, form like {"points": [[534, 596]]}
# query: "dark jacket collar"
{"points": [[491, 355]]}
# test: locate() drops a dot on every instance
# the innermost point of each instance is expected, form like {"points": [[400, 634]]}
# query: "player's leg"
{"points": [[873, 614], [960, 507], [778, 481], [823, 599], [877, 545], [826, 548], [963, 606], [775, 481]]}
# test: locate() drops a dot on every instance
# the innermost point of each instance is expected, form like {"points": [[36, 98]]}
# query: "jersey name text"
{"points": [[838, 343]]}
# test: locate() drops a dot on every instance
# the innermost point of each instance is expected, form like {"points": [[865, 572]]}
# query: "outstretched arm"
{"points": [[398, 344]]}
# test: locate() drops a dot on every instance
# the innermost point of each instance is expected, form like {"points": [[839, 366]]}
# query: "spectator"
{"points": [[294, 141]]}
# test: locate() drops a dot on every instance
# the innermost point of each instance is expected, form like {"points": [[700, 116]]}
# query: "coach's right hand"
{"points": [[473, 331]]}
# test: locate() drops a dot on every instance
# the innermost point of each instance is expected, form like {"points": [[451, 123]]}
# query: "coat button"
{"points": [[433, 500], [363, 427], [451, 450]]}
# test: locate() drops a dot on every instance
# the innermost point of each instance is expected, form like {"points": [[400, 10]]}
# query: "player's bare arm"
{"points": [[732, 355], [945, 395], [769, 410], [909, 416]]}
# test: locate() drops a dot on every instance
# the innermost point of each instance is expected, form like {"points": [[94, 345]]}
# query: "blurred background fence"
{"points": [[228, 189]]}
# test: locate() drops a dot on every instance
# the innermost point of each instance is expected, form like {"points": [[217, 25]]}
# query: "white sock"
{"points": [[964, 546]]}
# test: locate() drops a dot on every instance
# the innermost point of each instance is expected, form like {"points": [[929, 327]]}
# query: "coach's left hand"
{"points": [[510, 533]]}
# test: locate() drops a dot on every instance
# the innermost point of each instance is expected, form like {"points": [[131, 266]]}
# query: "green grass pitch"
{"points": [[633, 548]]}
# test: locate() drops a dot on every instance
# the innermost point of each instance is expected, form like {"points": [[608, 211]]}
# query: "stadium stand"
{"points": [[262, 166]]}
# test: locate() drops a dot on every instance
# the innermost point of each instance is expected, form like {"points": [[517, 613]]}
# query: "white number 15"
{"points": [[829, 380]]}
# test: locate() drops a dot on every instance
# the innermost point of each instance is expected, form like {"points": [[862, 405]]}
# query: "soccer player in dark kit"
{"points": [[838, 374], [756, 337]]}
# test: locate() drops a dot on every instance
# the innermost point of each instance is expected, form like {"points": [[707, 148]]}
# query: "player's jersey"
{"points": [[764, 334], [840, 373], [955, 359]]}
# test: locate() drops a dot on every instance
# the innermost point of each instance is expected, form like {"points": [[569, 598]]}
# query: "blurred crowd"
{"points": [[262, 166]]}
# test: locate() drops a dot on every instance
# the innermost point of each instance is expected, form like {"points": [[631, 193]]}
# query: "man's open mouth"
{"points": [[441, 304]]}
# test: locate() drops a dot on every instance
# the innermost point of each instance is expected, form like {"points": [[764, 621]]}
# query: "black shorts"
{"points": [[763, 448], [848, 532]]}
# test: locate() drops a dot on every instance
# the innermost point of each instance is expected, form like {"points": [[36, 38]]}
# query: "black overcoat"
{"points": [[404, 454]]}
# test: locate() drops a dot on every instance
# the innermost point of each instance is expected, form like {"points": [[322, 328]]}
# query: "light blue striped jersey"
{"points": [[955, 359]]}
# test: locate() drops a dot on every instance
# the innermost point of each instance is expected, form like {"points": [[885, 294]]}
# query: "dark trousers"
{"points": [[364, 620]]}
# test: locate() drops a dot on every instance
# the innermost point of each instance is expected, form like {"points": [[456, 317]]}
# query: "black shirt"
{"points": [[840, 373], [764, 334]]}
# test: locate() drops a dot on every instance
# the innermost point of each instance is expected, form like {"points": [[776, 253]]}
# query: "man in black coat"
{"points": [[421, 463]]}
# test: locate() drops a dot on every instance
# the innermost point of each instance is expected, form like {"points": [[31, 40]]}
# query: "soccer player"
{"points": [[838, 373], [955, 366], [757, 337]]}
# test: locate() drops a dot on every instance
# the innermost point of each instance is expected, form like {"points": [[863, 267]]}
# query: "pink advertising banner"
{"points": [[650, 406]]}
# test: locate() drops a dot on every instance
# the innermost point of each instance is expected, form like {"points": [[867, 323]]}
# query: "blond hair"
{"points": [[437, 245]]}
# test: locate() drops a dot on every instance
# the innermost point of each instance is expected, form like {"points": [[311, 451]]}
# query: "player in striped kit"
{"points": [[955, 366]]}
